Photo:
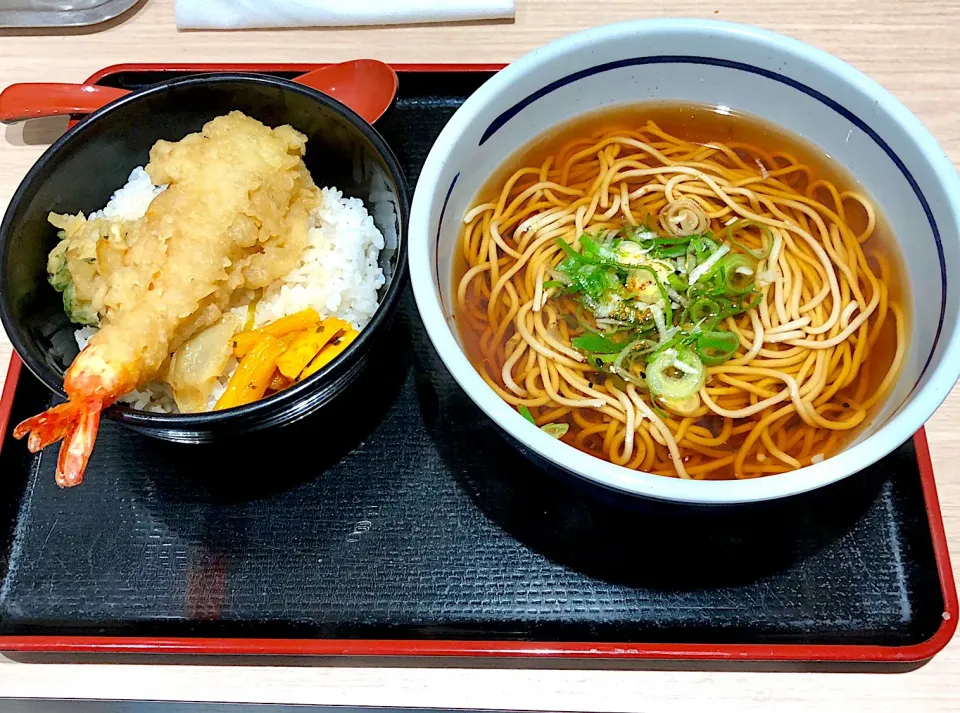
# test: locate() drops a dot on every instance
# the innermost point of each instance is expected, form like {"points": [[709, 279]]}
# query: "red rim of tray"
{"points": [[850, 653]]}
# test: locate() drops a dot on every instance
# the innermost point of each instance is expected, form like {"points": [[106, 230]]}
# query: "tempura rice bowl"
{"points": [[95, 158]]}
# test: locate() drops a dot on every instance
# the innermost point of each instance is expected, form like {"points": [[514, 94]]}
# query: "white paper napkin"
{"points": [[247, 14]]}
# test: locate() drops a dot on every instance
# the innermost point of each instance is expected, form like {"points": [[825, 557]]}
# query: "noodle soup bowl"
{"points": [[808, 93]]}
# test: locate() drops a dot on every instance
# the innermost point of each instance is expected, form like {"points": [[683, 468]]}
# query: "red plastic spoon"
{"points": [[367, 86]]}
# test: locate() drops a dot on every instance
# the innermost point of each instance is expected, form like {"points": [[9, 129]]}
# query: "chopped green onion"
{"points": [[568, 249], [704, 308], [557, 430], [733, 309], [601, 360], [699, 249], [617, 381], [638, 347], [707, 267], [591, 250], [593, 280], [738, 273], [673, 251], [677, 283], [761, 254], [716, 347], [629, 319], [525, 412], [675, 374], [674, 240], [626, 376], [681, 339], [597, 344]]}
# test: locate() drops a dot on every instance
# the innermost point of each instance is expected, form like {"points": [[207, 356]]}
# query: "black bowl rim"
{"points": [[288, 397]]}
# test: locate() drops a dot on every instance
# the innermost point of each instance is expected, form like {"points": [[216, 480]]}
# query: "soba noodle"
{"points": [[804, 369]]}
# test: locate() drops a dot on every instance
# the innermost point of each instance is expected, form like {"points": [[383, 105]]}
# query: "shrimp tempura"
{"points": [[234, 216]]}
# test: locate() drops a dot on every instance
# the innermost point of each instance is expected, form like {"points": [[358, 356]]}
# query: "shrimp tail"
{"points": [[94, 380], [77, 447], [76, 422], [48, 427]]}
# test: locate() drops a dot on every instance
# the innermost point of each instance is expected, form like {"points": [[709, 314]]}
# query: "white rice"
{"points": [[338, 275], [131, 201]]}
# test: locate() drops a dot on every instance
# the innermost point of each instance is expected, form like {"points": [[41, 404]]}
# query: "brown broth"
{"points": [[705, 125]]}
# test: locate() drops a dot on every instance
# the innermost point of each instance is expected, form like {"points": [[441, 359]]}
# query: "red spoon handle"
{"points": [[28, 101], [367, 86]]}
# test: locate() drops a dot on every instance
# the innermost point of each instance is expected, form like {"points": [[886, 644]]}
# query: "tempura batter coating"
{"points": [[234, 216]]}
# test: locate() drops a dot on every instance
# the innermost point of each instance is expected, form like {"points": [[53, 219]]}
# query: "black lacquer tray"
{"points": [[412, 527]]}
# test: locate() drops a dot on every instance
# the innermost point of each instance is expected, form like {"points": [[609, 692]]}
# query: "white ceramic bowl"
{"points": [[802, 89]]}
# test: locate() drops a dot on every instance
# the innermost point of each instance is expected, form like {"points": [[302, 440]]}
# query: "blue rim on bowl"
{"points": [[507, 105]]}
